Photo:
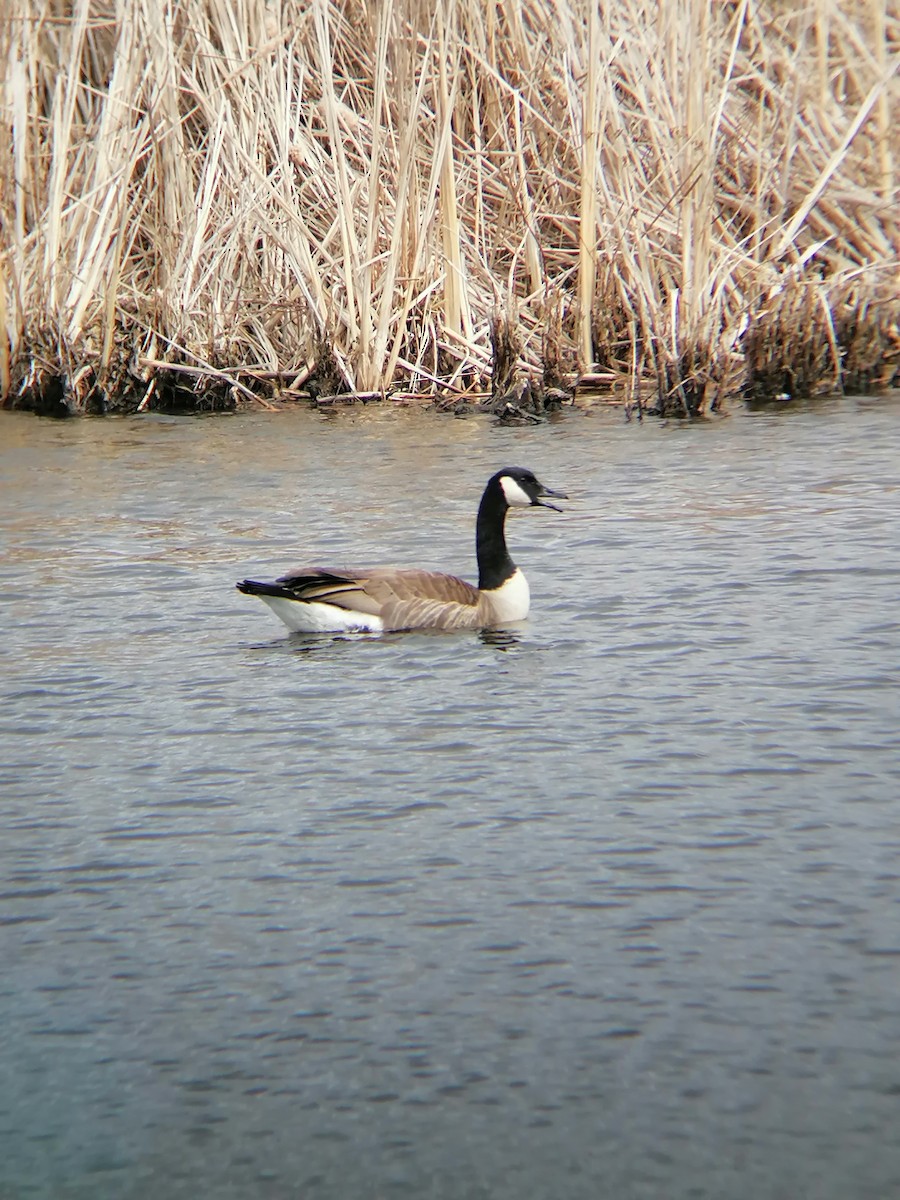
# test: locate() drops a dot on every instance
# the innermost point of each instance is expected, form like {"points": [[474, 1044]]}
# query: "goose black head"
{"points": [[521, 488]]}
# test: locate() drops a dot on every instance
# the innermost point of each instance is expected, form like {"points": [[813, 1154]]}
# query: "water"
{"points": [[607, 907]]}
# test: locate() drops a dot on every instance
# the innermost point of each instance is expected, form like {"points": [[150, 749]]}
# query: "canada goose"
{"points": [[330, 600]]}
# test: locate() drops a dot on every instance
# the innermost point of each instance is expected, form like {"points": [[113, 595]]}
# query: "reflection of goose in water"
{"points": [[332, 600], [499, 639]]}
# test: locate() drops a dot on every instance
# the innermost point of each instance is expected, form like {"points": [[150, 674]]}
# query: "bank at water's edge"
{"points": [[243, 208]]}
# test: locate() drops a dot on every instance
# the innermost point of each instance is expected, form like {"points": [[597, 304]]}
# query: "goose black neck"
{"points": [[494, 564]]}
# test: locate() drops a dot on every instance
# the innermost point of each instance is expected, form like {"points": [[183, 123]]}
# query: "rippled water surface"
{"points": [[607, 907]]}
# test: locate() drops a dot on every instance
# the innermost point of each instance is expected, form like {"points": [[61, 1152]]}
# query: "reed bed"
{"points": [[207, 203]]}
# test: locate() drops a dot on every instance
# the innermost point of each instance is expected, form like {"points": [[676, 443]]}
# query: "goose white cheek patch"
{"points": [[516, 496]]}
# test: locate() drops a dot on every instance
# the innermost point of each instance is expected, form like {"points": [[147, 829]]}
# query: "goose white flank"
{"points": [[336, 600]]}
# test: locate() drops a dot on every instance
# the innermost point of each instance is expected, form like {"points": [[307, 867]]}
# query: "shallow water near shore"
{"points": [[606, 905]]}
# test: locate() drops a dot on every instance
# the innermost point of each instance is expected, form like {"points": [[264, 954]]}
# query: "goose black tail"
{"points": [[253, 587]]}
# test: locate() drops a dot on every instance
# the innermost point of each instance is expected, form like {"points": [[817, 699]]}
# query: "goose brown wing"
{"points": [[341, 587], [413, 599], [403, 598]]}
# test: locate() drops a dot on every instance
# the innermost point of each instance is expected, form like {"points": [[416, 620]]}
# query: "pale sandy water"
{"points": [[606, 908]]}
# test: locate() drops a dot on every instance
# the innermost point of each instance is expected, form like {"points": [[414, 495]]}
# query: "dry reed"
{"points": [[207, 203]]}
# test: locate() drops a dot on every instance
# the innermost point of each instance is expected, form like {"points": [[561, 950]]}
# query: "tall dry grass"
{"points": [[272, 193]]}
